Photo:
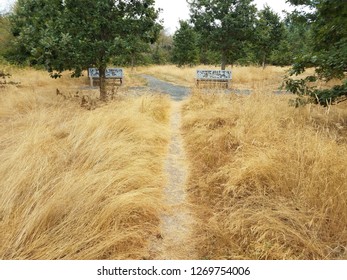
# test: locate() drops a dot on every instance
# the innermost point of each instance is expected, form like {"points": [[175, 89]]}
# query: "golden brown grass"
{"points": [[170, 73], [78, 184], [250, 77], [40, 78], [268, 181]]}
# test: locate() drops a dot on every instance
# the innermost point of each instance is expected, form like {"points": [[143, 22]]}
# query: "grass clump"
{"points": [[268, 181], [78, 184]]}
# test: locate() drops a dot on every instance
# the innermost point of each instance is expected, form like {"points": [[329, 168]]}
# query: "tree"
{"points": [[295, 41], [132, 51], [35, 26], [329, 50], [226, 26], [5, 34], [185, 49], [161, 51], [77, 34], [269, 32], [329, 37]]}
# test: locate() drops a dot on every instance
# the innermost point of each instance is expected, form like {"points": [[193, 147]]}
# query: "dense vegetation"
{"points": [[327, 54], [75, 35], [49, 34], [259, 179]]}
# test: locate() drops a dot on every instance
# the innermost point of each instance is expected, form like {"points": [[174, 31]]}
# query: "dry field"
{"points": [[267, 181], [78, 184], [243, 77]]}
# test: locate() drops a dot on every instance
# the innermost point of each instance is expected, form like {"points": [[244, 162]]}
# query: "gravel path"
{"points": [[177, 93]]}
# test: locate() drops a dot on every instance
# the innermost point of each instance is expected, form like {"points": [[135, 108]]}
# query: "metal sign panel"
{"points": [[213, 74], [109, 73]]}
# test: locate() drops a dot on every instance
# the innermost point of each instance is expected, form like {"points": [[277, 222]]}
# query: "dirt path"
{"points": [[174, 242]]}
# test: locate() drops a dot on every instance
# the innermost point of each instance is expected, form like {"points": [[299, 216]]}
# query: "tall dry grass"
{"points": [[250, 77], [35, 79], [78, 184], [267, 181], [170, 73]]}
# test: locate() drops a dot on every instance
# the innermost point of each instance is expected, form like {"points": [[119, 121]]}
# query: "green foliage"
{"points": [[300, 86], [5, 34], [326, 96], [158, 56], [302, 2], [269, 32], [225, 26], [77, 34], [161, 50], [209, 57], [34, 25], [329, 51], [295, 41], [330, 39], [250, 55], [308, 94], [185, 48], [157, 53]]}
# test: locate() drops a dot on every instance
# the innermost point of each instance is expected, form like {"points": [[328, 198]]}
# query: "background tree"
{"points": [[161, 50], [5, 34], [77, 34], [269, 33], [133, 51], [226, 26], [295, 41], [185, 49]]}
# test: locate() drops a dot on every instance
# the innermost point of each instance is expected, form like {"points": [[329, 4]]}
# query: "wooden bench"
{"points": [[213, 76], [110, 73]]}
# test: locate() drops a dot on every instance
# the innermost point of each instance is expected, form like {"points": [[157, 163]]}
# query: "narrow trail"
{"points": [[174, 242]]}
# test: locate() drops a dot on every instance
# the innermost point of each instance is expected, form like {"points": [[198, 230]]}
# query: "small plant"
{"points": [[4, 81], [310, 94], [3, 75]]}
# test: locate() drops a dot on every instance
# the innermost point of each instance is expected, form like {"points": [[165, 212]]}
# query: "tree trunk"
{"points": [[264, 61], [224, 60], [102, 79], [132, 62]]}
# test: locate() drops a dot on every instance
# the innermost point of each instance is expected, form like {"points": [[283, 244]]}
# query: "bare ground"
{"points": [[174, 242]]}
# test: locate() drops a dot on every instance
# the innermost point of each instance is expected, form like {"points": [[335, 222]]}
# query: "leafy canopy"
{"points": [[269, 33], [329, 50], [185, 49], [226, 26], [77, 34]]}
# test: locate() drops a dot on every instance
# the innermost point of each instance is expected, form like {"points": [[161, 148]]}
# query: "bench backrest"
{"points": [[109, 73], [213, 75]]}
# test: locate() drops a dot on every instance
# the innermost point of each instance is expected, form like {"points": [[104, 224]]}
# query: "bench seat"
{"points": [[110, 74]]}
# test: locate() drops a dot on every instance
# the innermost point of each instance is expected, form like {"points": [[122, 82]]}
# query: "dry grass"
{"points": [[170, 73], [268, 181], [40, 78], [78, 184], [132, 78], [250, 77]]}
